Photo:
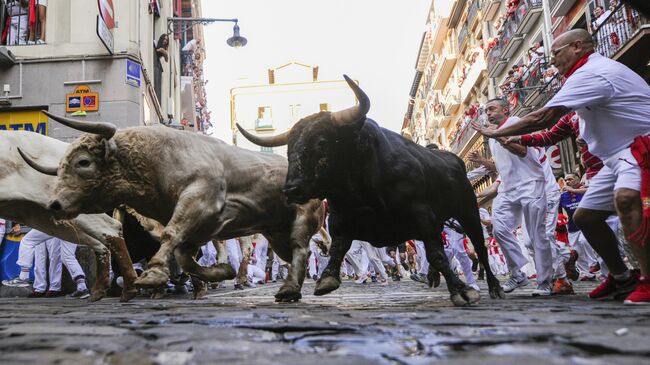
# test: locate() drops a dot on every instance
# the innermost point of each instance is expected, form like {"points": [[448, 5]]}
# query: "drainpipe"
{"points": [[548, 28]]}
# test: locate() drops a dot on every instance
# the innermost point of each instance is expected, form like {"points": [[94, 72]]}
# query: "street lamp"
{"points": [[236, 41]]}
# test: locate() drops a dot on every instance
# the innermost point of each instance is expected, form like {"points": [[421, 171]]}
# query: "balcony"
{"points": [[451, 101], [490, 8], [527, 14], [462, 37], [446, 63], [495, 64], [472, 14], [560, 7], [625, 37], [438, 33], [474, 75], [456, 12], [511, 40]]}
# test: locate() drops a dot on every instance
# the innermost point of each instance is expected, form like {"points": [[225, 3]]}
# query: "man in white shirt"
{"points": [[521, 192], [613, 104]]}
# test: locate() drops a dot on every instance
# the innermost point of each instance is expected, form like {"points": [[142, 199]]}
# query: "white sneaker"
{"points": [[514, 283], [475, 286], [17, 282], [542, 290], [361, 280]]}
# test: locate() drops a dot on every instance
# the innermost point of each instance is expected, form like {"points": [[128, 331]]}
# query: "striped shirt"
{"points": [[566, 127]]}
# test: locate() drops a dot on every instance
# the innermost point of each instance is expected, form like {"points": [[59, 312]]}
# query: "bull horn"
{"points": [[42, 169], [270, 141], [104, 129], [355, 113]]}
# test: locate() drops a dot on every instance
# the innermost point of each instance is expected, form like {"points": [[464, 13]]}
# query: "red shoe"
{"points": [[611, 288], [36, 294], [54, 293], [640, 295], [562, 287]]}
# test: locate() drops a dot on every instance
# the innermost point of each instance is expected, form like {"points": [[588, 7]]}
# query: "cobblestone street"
{"points": [[403, 323]]}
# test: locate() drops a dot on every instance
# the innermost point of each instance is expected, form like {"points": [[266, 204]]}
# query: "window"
{"points": [[264, 118], [294, 111], [19, 30], [324, 107]]}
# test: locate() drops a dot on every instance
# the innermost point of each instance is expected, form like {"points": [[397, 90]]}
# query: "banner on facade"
{"points": [[82, 99], [32, 121]]}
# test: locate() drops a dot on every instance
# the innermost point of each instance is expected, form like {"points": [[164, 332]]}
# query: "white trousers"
{"points": [[586, 254], [69, 258], [27, 246], [527, 200], [354, 257], [234, 253], [457, 249], [50, 249], [261, 251], [255, 274], [209, 257], [372, 257], [423, 263], [561, 252]]}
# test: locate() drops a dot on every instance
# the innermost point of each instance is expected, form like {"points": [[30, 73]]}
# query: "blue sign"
{"points": [[133, 71]]}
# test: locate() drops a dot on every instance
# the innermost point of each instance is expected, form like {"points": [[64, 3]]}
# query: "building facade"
{"points": [[98, 58], [292, 91], [476, 50]]}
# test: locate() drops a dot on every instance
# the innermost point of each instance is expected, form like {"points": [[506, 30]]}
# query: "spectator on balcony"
{"points": [[600, 15], [614, 103], [18, 12], [38, 10], [160, 49], [192, 46]]}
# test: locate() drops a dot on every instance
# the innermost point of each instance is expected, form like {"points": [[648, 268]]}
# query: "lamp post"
{"points": [[236, 41]]}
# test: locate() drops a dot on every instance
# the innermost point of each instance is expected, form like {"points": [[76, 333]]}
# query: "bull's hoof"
{"points": [[326, 284], [97, 295], [128, 295], [433, 278], [465, 297], [152, 278], [158, 294], [288, 294], [200, 290], [497, 293]]}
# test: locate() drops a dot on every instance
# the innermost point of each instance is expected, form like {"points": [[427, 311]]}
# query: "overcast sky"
{"points": [[374, 41]]}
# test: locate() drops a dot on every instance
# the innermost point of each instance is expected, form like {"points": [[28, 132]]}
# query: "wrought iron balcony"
{"points": [[622, 25]]}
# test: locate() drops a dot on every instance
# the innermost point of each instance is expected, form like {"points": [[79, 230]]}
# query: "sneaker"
{"points": [[562, 287], [383, 282], [80, 294], [640, 295], [16, 282], [314, 277], [475, 286], [249, 284], [53, 293], [373, 279], [542, 290], [611, 288], [39, 41], [514, 283], [29, 43], [36, 294], [415, 277], [239, 287], [361, 280]]}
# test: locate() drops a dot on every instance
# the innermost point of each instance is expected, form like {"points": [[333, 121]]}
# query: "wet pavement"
{"points": [[403, 323]]}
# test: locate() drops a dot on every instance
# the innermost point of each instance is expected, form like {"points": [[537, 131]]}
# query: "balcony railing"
{"points": [[473, 11], [494, 56], [617, 29]]}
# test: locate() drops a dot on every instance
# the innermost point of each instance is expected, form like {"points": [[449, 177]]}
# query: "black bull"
{"points": [[381, 188]]}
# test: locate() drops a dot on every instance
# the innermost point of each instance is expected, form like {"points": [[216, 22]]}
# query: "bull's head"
{"points": [[83, 171], [317, 148]]}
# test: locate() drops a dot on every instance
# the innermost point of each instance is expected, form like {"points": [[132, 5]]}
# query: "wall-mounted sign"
{"points": [[133, 71], [105, 34], [32, 121], [107, 13], [82, 99]]}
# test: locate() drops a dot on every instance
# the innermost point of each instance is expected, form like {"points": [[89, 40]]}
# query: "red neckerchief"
{"points": [[581, 62], [502, 123]]}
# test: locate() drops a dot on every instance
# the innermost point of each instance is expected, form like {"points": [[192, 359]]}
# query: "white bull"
{"points": [[24, 195]]}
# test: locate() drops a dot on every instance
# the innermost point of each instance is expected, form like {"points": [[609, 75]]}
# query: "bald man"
{"points": [[613, 104]]}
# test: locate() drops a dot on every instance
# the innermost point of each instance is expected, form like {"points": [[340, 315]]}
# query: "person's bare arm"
{"points": [[531, 122], [489, 193]]}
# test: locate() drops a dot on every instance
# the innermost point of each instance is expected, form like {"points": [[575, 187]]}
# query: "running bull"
{"points": [[198, 187], [24, 197], [381, 188]]}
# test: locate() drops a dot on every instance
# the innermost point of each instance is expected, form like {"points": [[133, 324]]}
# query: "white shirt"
{"points": [[190, 46], [514, 170], [612, 101], [3, 228], [477, 173]]}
